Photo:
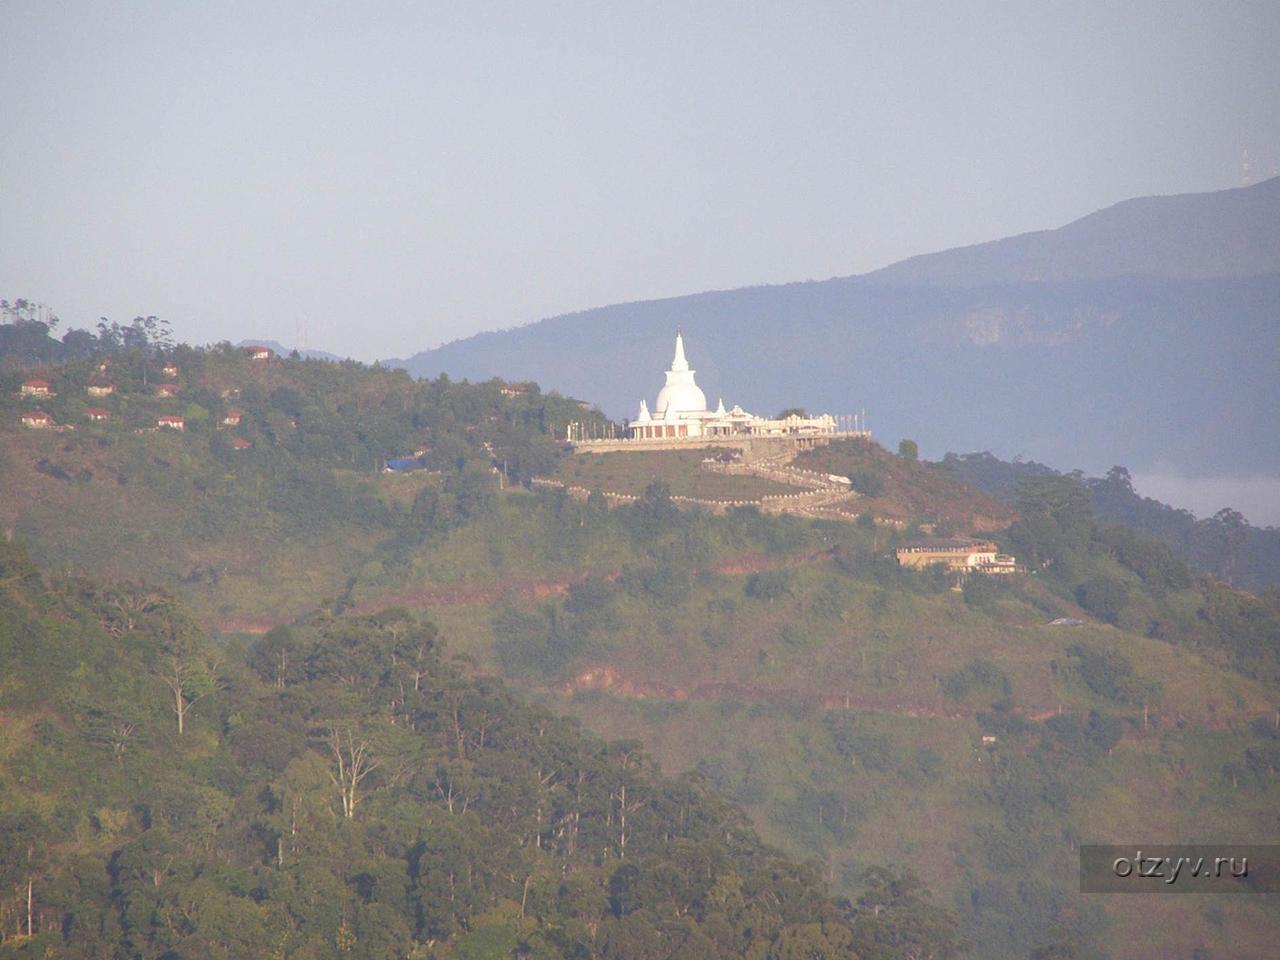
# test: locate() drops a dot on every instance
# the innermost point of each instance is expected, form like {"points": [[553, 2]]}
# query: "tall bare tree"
{"points": [[353, 762]]}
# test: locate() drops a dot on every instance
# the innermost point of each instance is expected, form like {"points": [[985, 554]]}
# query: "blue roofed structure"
{"points": [[403, 464]]}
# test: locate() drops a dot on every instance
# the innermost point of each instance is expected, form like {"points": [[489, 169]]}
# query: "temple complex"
{"points": [[680, 413]]}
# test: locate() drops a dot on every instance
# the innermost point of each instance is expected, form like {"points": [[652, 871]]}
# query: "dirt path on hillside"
{"points": [[615, 683], [468, 593], [427, 597], [541, 589], [513, 588]]}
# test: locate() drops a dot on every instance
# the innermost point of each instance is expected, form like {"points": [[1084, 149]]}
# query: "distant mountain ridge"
{"points": [[1193, 236], [1143, 334]]}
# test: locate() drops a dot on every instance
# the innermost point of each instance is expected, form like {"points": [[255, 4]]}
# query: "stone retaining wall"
{"points": [[767, 457], [753, 448]]}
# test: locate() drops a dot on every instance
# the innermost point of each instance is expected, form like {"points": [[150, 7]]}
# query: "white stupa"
{"points": [[680, 395]]}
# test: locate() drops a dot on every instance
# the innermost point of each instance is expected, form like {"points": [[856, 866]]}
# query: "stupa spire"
{"points": [[679, 363]]}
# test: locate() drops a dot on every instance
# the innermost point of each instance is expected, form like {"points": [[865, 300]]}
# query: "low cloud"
{"points": [[1257, 497]]}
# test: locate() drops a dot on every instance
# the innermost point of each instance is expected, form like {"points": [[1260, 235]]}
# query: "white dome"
{"points": [[680, 398], [680, 394]]}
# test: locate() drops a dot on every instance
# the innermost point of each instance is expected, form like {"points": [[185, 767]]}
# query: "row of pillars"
{"points": [[579, 431]]}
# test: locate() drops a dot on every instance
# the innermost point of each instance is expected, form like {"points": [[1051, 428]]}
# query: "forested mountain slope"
{"points": [[860, 714], [844, 702], [344, 790], [271, 513], [864, 713]]}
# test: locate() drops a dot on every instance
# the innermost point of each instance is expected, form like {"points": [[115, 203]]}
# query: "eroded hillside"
{"points": [[859, 712]]}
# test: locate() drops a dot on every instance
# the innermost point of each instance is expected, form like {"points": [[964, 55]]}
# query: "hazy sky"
{"points": [[398, 175]]}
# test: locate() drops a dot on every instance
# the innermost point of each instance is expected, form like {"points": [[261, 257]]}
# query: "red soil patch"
{"points": [[613, 681], [254, 625], [469, 593]]}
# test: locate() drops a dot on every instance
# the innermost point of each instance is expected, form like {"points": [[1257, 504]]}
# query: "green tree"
{"points": [[768, 585], [1103, 597], [277, 657], [1220, 541], [980, 591], [1154, 562], [892, 920], [1055, 525], [867, 482]]}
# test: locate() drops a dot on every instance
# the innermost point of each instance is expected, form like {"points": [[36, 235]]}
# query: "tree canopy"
{"points": [[341, 788]]}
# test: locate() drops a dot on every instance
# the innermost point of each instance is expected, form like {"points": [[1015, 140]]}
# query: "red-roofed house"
{"points": [[172, 422], [36, 388], [167, 389], [240, 443], [260, 353], [37, 420], [232, 417], [100, 389], [97, 414]]}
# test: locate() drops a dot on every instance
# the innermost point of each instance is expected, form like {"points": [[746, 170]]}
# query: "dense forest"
{"points": [[346, 789], [1224, 545]]}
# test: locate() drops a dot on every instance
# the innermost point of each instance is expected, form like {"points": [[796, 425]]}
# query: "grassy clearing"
{"points": [[680, 470], [908, 489], [154, 527]]}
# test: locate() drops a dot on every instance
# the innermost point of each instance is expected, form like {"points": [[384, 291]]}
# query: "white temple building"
{"points": [[680, 412]]}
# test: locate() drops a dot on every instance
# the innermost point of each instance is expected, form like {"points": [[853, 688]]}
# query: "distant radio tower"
{"points": [[1246, 174], [300, 334]]}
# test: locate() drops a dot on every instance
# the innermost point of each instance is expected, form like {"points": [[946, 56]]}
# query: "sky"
{"points": [[375, 179]]}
